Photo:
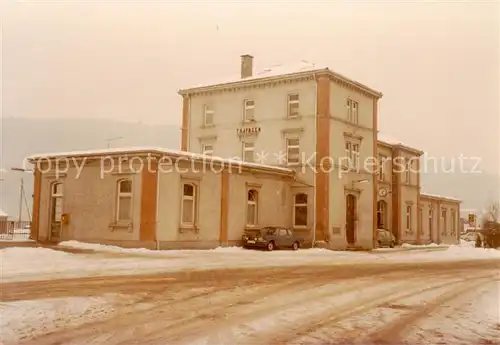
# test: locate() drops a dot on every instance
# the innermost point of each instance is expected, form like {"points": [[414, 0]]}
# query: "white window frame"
{"points": [[355, 155], [295, 205], [121, 195], [409, 211], [408, 171], [207, 149], [255, 203], [246, 108], [352, 110], [248, 146], [289, 147], [194, 199], [208, 110], [348, 151], [292, 102]]}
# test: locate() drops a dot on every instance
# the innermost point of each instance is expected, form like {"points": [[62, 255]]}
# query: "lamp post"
{"points": [[109, 140]]}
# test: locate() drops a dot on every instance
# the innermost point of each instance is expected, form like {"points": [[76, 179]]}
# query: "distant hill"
{"points": [[21, 137]]}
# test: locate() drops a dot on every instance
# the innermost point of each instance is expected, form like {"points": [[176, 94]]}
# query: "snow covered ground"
{"points": [[313, 307], [20, 264]]}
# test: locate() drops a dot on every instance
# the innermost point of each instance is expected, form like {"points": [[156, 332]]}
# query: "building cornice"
{"points": [[273, 81]]}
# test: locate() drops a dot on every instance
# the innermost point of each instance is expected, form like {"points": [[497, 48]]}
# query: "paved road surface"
{"points": [[346, 304]]}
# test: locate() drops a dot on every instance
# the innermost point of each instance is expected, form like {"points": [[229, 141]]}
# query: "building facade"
{"points": [[307, 141]]}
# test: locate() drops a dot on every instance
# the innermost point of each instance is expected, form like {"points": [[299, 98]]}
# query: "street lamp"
{"points": [[22, 195]]}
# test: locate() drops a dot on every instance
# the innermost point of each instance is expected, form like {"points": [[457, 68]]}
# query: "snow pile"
{"points": [[431, 245], [470, 252], [106, 248]]}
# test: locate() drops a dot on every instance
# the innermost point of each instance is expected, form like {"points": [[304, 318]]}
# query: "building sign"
{"points": [[248, 130]]}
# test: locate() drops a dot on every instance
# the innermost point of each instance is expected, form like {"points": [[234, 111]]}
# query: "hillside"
{"points": [[24, 137]]}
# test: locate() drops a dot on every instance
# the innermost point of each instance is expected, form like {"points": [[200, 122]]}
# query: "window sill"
{"points": [[121, 226], [298, 117], [248, 122], [187, 229], [208, 126], [251, 227]]}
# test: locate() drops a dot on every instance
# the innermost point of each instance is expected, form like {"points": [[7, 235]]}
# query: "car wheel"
{"points": [[392, 245], [380, 244], [295, 246], [270, 246]]}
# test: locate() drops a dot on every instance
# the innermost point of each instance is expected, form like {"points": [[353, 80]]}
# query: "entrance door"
{"points": [[56, 202], [351, 218]]}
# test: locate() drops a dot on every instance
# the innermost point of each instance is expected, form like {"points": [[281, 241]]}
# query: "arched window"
{"points": [[56, 193], [381, 214], [444, 222], [252, 207], [408, 218], [188, 204], [300, 210], [124, 201]]}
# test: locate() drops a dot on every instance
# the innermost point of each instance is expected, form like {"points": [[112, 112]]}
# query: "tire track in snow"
{"points": [[347, 310], [393, 333]]}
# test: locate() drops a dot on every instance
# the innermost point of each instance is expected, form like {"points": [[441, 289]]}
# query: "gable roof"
{"points": [[393, 142], [278, 72]]}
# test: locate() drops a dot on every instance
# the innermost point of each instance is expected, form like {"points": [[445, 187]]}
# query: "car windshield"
{"points": [[268, 231]]}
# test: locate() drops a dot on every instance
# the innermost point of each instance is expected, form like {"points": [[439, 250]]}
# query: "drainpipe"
{"points": [[315, 163]]}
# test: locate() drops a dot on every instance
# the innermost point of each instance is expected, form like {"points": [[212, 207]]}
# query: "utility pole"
{"points": [[22, 197]]}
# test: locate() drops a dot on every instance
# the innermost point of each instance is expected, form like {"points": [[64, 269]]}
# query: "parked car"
{"points": [[469, 236], [272, 237], [385, 238]]}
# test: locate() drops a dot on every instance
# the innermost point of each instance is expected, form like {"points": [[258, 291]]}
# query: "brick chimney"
{"points": [[246, 66]]}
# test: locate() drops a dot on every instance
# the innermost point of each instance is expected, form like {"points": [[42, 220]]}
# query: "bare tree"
{"points": [[493, 211]]}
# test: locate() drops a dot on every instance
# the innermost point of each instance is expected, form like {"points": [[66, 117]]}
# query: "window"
{"points": [[208, 115], [408, 171], [352, 154], [293, 105], [431, 217], [252, 207], [408, 218], [248, 151], [355, 156], [445, 225], [381, 214], [188, 204], [283, 232], [300, 210], [381, 168], [453, 223], [208, 149], [421, 220], [57, 193], [124, 201], [352, 111], [249, 110], [292, 151]]}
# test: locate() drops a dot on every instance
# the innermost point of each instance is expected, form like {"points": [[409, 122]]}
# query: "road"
{"points": [[345, 304]]}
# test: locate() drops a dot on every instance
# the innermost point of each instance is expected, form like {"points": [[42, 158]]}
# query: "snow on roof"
{"points": [[279, 71], [384, 138], [2, 213], [436, 196], [156, 151]]}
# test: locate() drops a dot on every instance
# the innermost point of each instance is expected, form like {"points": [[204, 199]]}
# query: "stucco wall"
{"points": [[342, 182], [90, 201], [438, 233], [274, 203], [208, 195]]}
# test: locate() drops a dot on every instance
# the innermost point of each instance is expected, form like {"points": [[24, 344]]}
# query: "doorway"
{"points": [[351, 201], [56, 203]]}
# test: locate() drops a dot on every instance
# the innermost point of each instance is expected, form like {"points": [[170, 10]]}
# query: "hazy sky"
{"points": [[436, 63]]}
